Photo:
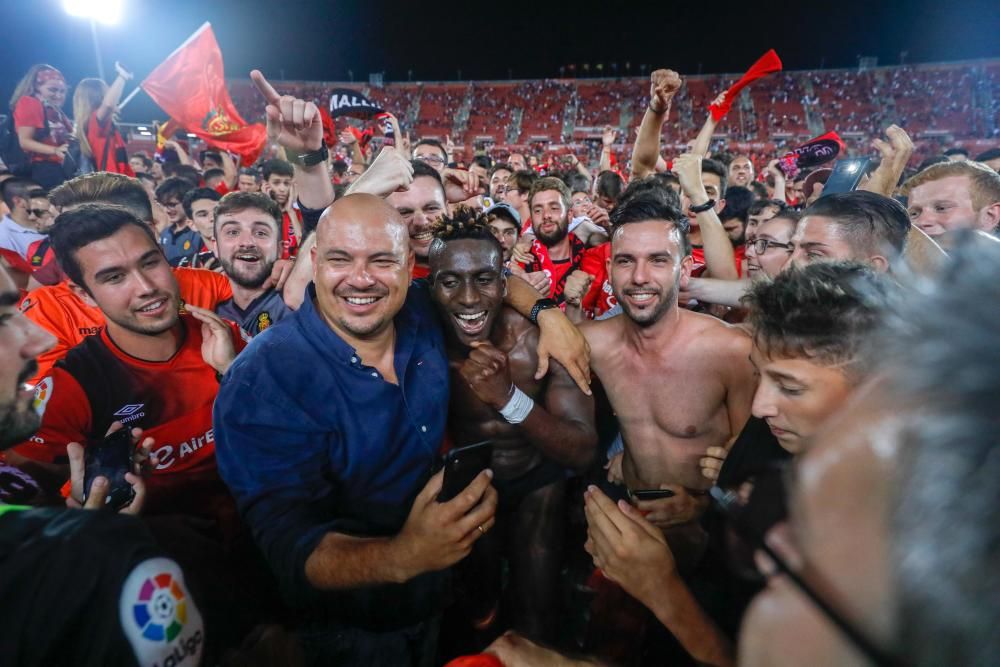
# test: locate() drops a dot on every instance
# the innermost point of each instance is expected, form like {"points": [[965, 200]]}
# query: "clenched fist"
{"points": [[488, 375], [663, 85], [576, 286]]}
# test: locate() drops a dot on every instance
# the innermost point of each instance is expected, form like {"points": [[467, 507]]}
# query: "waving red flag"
{"points": [[190, 86], [766, 64]]}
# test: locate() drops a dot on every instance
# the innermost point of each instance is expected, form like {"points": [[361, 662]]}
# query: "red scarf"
{"points": [[766, 64], [556, 273]]}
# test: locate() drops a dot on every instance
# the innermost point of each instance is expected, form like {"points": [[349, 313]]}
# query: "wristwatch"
{"points": [[540, 305], [313, 158], [701, 208]]}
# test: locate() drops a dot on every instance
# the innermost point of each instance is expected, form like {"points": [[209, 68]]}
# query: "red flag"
{"points": [[767, 64], [190, 86]]}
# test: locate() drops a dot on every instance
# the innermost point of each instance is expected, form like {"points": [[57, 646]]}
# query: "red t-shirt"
{"points": [[58, 310], [698, 255], [31, 112], [222, 188], [108, 147], [600, 298], [289, 243], [97, 384]]}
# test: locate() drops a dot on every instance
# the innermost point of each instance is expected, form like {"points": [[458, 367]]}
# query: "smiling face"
{"points": [[248, 243], [52, 92], [795, 395], [361, 266], [128, 278], [21, 341], [942, 206], [647, 268], [468, 288], [422, 205], [754, 220]]}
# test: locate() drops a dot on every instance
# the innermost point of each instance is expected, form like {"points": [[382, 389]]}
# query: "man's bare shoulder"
{"points": [[722, 337], [600, 332]]}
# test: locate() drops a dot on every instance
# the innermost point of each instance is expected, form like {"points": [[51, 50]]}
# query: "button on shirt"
{"points": [[17, 238], [310, 440]]}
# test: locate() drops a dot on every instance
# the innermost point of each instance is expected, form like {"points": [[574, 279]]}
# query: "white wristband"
{"points": [[517, 408]]}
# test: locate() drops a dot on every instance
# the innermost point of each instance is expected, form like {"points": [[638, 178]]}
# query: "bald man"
{"points": [[327, 431]]}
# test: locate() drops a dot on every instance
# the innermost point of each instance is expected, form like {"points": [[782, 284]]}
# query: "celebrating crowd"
{"points": [[383, 405]]}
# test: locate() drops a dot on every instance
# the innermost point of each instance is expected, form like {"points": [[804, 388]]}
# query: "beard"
{"points": [[549, 240], [244, 274], [647, 318], [18, 419]]}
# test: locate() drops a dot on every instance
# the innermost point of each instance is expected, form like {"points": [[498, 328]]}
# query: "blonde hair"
{"points": [[88, 96], [26, 86], [984, 183]]}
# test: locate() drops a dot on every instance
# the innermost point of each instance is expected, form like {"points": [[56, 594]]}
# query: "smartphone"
{"points": [[461, 465], [846, 176], [110, 458], [652, 494]]}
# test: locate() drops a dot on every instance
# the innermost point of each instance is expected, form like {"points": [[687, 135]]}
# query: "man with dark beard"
{"points": [[248, 242], [421, 205], [556, 252]]}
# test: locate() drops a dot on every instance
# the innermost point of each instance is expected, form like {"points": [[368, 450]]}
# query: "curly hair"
{"points": [[827, 313], [464, 223]]}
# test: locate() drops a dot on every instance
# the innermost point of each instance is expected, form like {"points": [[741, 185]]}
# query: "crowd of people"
{"points": [[378, 403]]}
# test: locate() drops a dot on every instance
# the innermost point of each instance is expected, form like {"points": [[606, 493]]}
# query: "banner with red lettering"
{"points": [[190, 86]]}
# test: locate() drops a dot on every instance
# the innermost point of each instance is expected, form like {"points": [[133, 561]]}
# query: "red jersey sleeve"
{"points": [[42, 307], [28, 112], [222, 189], [203, 288], [65, 418]]}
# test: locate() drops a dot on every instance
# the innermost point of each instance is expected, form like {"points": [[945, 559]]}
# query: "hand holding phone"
{"points": [[846, 176], [110, 458]]}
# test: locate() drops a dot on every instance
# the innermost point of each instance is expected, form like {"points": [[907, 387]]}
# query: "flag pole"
{"points": [[129, 98]]}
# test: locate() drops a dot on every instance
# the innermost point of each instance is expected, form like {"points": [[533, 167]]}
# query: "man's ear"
{"points": [[989, 218], [83, 294], [720, 206], [879, 263]]}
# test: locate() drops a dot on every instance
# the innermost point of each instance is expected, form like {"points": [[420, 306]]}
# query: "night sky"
{"points": [[322, 40]]}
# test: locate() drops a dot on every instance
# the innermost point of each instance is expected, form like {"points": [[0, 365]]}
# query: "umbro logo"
{"points": [[129, 409]]}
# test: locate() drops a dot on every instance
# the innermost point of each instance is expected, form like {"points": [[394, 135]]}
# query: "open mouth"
{"points": [[422, 237], [247, 257], [153, 308], [471, 324], [641, 298], [361, 304]]}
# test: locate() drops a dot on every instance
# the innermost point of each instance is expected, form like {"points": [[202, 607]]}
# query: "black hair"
{"points": [[188, 173], [651, 206], [194, 195], [989, 154], [250, 171], [738, 201], [174, 186], [760, 205], [609, 184], [276, 167], [464, 224], [710, 166], [22, 188], [147, 162], [870, 223], [339, 167], [827, 312], [758, 189], [500, 166], [651, 185], [211, 155], [212, 173], [484, 161], [234, 202], [577, 182], [523, 179], [85, 224], [958, 150], [436, 144]]}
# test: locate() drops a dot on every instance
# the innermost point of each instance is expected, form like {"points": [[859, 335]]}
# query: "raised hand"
{"points": [[389, 171], [663, 85], [459, 185], [142, 458], [577, 285], [688, 170], [608, 136], [217, 348], [291, 122], [122, 72]]}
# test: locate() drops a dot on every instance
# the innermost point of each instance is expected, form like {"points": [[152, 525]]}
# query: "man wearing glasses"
{"points": [[180, 240], [432, 153], [23, 232]]}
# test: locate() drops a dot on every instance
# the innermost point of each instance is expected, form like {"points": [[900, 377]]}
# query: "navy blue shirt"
{"points": [[310, 440]]}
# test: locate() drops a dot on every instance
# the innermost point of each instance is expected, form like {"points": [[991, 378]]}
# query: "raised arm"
{"points": [[704, 139], [114, 94], [719, 259], [664, 84]]}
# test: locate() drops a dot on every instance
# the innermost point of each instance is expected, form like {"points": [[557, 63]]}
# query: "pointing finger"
{"points": [[265, 88]]}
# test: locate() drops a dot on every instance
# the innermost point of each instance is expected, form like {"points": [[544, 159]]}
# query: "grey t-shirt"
{"points": [[261, 313]]}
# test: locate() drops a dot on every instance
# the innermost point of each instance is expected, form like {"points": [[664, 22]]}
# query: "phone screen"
{"points": [[111, 458]]}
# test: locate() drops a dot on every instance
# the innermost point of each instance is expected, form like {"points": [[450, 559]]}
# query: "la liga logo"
{"points": [[160, 610]]}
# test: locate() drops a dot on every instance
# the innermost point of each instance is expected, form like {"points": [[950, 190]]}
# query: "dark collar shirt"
{"points": [[310, 440]]}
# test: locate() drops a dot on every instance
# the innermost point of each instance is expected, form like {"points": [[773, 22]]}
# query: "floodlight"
{"points": [[107, 12]]}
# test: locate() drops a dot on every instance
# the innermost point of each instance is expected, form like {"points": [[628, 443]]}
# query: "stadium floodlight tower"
{"points": [[107, 12]]}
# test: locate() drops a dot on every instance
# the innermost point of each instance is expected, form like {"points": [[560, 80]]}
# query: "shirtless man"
{"points": [[539, 428], [680, 382]]}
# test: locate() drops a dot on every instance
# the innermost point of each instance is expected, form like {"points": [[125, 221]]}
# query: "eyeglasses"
{"points": [[760, 246], [433, 159], [503, 190], [752, 527], [40, 212], [584, 201]]}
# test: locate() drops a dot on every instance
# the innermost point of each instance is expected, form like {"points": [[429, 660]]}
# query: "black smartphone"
{"points": [[110, 458], [461, 465], [652, 494], [846, 176]]}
